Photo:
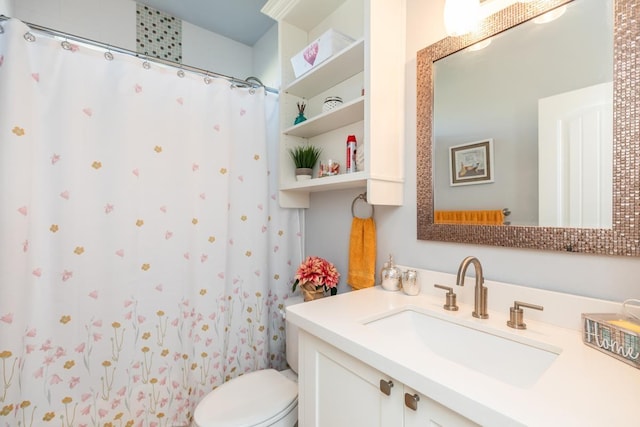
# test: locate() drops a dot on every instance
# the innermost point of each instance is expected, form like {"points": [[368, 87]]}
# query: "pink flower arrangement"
{"points": [[318, 272]]}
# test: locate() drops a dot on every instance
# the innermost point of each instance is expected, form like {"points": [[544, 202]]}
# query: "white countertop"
{"points": [[582, 387]]}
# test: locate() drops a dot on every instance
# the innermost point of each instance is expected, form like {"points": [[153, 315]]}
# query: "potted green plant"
{"points": [[305, 158]]}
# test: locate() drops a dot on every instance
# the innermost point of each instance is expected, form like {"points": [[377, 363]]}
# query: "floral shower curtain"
{"points": [[143, 258]]}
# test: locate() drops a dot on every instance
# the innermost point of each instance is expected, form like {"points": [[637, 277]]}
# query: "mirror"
{"points": [[623, 236], [514, 90]]}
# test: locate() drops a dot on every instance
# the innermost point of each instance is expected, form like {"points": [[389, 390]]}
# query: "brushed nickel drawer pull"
{"points": [[411, 401], [385, 387]]}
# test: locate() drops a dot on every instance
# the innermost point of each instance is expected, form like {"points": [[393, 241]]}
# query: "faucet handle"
{"points": [[451, 298], [516, 317]]}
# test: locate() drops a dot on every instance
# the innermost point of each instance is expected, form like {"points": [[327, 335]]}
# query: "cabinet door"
{"points": [[429, 413], [337, 390]]}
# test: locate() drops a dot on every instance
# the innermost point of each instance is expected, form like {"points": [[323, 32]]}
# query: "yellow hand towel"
{"points": [[362, 253]]}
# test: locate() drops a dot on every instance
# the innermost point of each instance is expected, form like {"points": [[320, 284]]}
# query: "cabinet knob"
{"points": [[516, 316], [411, 401], [385, 387]]}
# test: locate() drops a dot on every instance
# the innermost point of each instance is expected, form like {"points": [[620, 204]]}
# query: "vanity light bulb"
{"points": [[551, 15], [461, 16], [479, 46]]}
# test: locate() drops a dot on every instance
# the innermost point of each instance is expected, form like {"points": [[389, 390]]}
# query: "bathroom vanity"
{"points": [[374, 357]]}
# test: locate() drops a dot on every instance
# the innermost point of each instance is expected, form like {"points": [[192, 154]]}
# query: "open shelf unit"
{"points": [[368, 75]]}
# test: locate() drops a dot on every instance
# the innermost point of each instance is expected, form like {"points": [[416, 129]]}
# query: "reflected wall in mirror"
{"points": [[530, 77], [623, 236]]}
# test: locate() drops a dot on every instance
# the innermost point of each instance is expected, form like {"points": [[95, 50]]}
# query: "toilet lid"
{"points": [[246, 400]]}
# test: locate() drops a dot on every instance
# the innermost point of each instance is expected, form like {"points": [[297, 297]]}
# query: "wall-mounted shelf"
{"points": [[348, 113], [344, 64], [337, 182]]}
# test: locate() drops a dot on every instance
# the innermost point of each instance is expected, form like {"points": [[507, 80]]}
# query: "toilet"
{"points": [[258, 399]]}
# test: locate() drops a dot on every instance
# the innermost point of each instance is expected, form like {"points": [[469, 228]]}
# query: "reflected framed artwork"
{"points": [[471, 163]]}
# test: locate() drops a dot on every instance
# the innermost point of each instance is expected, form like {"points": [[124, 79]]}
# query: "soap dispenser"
{"points": [[390, 276]]}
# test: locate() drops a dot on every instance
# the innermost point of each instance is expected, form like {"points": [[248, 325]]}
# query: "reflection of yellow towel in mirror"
{"points": [[494, 217]]}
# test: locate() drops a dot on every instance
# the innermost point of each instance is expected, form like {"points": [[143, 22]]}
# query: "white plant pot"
{"points": [[303, 174]]}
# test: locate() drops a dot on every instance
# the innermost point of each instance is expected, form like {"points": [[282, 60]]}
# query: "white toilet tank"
{"points": [[291, 330]]}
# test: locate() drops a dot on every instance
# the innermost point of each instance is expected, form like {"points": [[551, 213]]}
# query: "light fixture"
{"points": [[552, 15], [461, 16], [479, 46]]}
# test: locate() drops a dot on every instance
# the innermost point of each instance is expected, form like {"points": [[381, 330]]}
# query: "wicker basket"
{"points": [[310, 293], [613, 334]]}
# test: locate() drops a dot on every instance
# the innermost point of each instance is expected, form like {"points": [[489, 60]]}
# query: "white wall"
{"points": [[265, 58], [329, 219], [114, 22], [211, 51]]}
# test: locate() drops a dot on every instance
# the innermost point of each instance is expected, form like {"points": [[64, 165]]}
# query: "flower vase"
{"points": [[299, 119], [310, 292]]}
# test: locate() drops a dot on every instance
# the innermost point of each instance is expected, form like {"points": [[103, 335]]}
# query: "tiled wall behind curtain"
{"points": [[158, 34]]}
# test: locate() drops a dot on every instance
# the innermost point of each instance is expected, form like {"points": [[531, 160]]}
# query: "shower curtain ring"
{"points": [[180, 73], [108, 55], [145, 61], [29, 37], [207, 79]]}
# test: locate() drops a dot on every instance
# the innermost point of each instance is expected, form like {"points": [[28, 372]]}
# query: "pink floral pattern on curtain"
{"points": [[143, 258]]}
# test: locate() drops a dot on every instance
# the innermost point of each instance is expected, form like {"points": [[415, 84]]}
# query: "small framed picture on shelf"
{"points": [[471, 163]]}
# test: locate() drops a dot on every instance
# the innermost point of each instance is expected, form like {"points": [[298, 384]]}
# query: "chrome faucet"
{"points": [[480, 303]]}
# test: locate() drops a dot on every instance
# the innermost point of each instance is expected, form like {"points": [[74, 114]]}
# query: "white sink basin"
{"points": [[516, 363]]}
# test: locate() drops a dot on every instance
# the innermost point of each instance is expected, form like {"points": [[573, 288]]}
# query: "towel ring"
{"points": [[362, 197]]}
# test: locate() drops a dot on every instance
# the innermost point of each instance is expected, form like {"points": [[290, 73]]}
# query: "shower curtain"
{"points": [[143, 257]]}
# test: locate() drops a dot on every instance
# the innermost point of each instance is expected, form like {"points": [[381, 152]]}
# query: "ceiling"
{"points": [[239, 20]]}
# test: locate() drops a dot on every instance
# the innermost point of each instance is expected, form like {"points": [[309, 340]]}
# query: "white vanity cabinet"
{"points": [[337, 390], [368, 75], [428, 412]]}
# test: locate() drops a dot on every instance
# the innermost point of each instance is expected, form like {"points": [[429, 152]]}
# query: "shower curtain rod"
{"points": [[253, 82]]}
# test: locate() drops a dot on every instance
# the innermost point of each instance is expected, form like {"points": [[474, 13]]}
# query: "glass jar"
{"points": [[410, 283], [391, 276]]}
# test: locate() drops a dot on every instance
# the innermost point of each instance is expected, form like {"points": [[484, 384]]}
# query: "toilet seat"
{"points": [[256, 399]]}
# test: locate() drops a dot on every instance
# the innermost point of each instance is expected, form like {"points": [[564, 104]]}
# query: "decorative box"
{"points": [[614, 334], [318, 51]]}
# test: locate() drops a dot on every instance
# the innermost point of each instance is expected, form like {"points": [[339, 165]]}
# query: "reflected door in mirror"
{"points": [[575, 158]]}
